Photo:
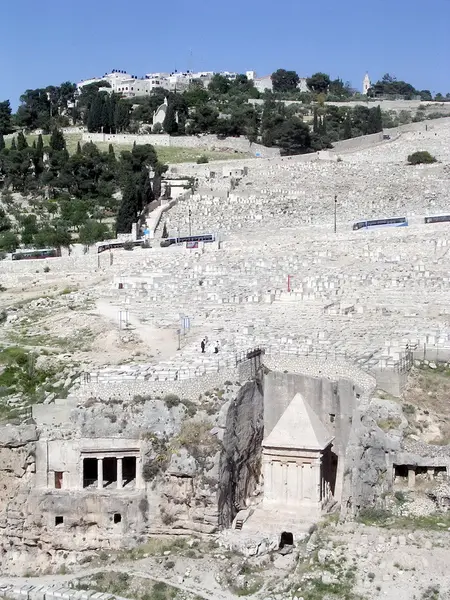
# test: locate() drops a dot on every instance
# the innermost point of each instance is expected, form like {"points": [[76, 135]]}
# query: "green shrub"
{"points": [[371, 516], [203, 159], [421, 157], [171, 400], [400, 497]]}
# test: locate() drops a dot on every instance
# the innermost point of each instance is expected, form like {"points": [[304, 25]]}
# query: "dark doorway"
{"points": [[90, 471], [109, 471], [59, 520], [117, 518], [401, 471], [129, 469], [286, 539]]}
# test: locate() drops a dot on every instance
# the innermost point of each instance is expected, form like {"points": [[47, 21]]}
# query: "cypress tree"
{"points": [[57, 141], [13, 144], [21, 142], [315, 121], [378, 119], [111, 150], [165, 234], [34, 145], [170, 124], [40, 144], [323, 126], [347, 127], [78, 148], [146, 193], [127, 213], [105, 122], [2, 142], [94, 118]]}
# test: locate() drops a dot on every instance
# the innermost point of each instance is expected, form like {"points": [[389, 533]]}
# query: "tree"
{"points": [[390, 87], [347, 126], [40, 144], [29, 229], [219, 85], [315, 121], [284, 81], [426, 96], [34, 110], [339, 89], [9, 242], [122, 116], [5, 117], [94, 115], [2, 142], [165, 233], [378, 120], [204, 119], [13, 144], [170, 124], [196, 95], [52, 237], [292, 136], [57, 141], [421, 157], [21, 142], [78, 151], [91, 232], [319, 83], [128, 209], [5, 223]]}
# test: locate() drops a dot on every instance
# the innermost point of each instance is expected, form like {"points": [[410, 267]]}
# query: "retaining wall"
{"points": [[208, 142]]}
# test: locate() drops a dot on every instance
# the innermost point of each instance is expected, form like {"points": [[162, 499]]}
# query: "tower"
{"points": [[366, 84]]}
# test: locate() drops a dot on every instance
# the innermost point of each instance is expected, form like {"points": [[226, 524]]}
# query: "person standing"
{"points": [[202, 346]]}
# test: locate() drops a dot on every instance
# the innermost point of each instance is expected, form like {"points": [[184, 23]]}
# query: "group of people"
{"points": [[204, 343]]}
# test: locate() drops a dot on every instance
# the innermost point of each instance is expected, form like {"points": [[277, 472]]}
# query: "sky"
{"points": [[51, 41]]}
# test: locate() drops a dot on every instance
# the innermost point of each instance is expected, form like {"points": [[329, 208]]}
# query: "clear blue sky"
{"points": [[51, 41]]}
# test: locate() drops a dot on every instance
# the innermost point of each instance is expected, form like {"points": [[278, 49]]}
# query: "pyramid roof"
{"points": [[299, 428]]}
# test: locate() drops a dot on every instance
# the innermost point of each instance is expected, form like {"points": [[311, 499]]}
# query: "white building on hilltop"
{"points": [[366, 84], [130, 86]]}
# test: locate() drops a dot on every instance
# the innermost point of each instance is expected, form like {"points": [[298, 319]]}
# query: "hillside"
{"points": [[166, 155]]}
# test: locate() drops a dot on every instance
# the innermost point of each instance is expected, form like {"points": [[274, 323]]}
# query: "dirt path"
{"points": [[162, 343], [142, 569]]}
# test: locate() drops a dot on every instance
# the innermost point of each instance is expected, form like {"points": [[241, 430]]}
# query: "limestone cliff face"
{"points": [[17, 468], [240, 460], [376, 436]]}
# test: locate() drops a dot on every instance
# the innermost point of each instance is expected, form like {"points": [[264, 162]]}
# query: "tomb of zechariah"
{"points": [[305, 397]]}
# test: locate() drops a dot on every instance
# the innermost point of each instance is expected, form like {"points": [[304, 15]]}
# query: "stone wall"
{"points": [[208, 142], [358, 143]]}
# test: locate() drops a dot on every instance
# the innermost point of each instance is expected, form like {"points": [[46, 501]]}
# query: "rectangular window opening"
{"points": [[58, 479], [59, 521], [117, 518]]}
